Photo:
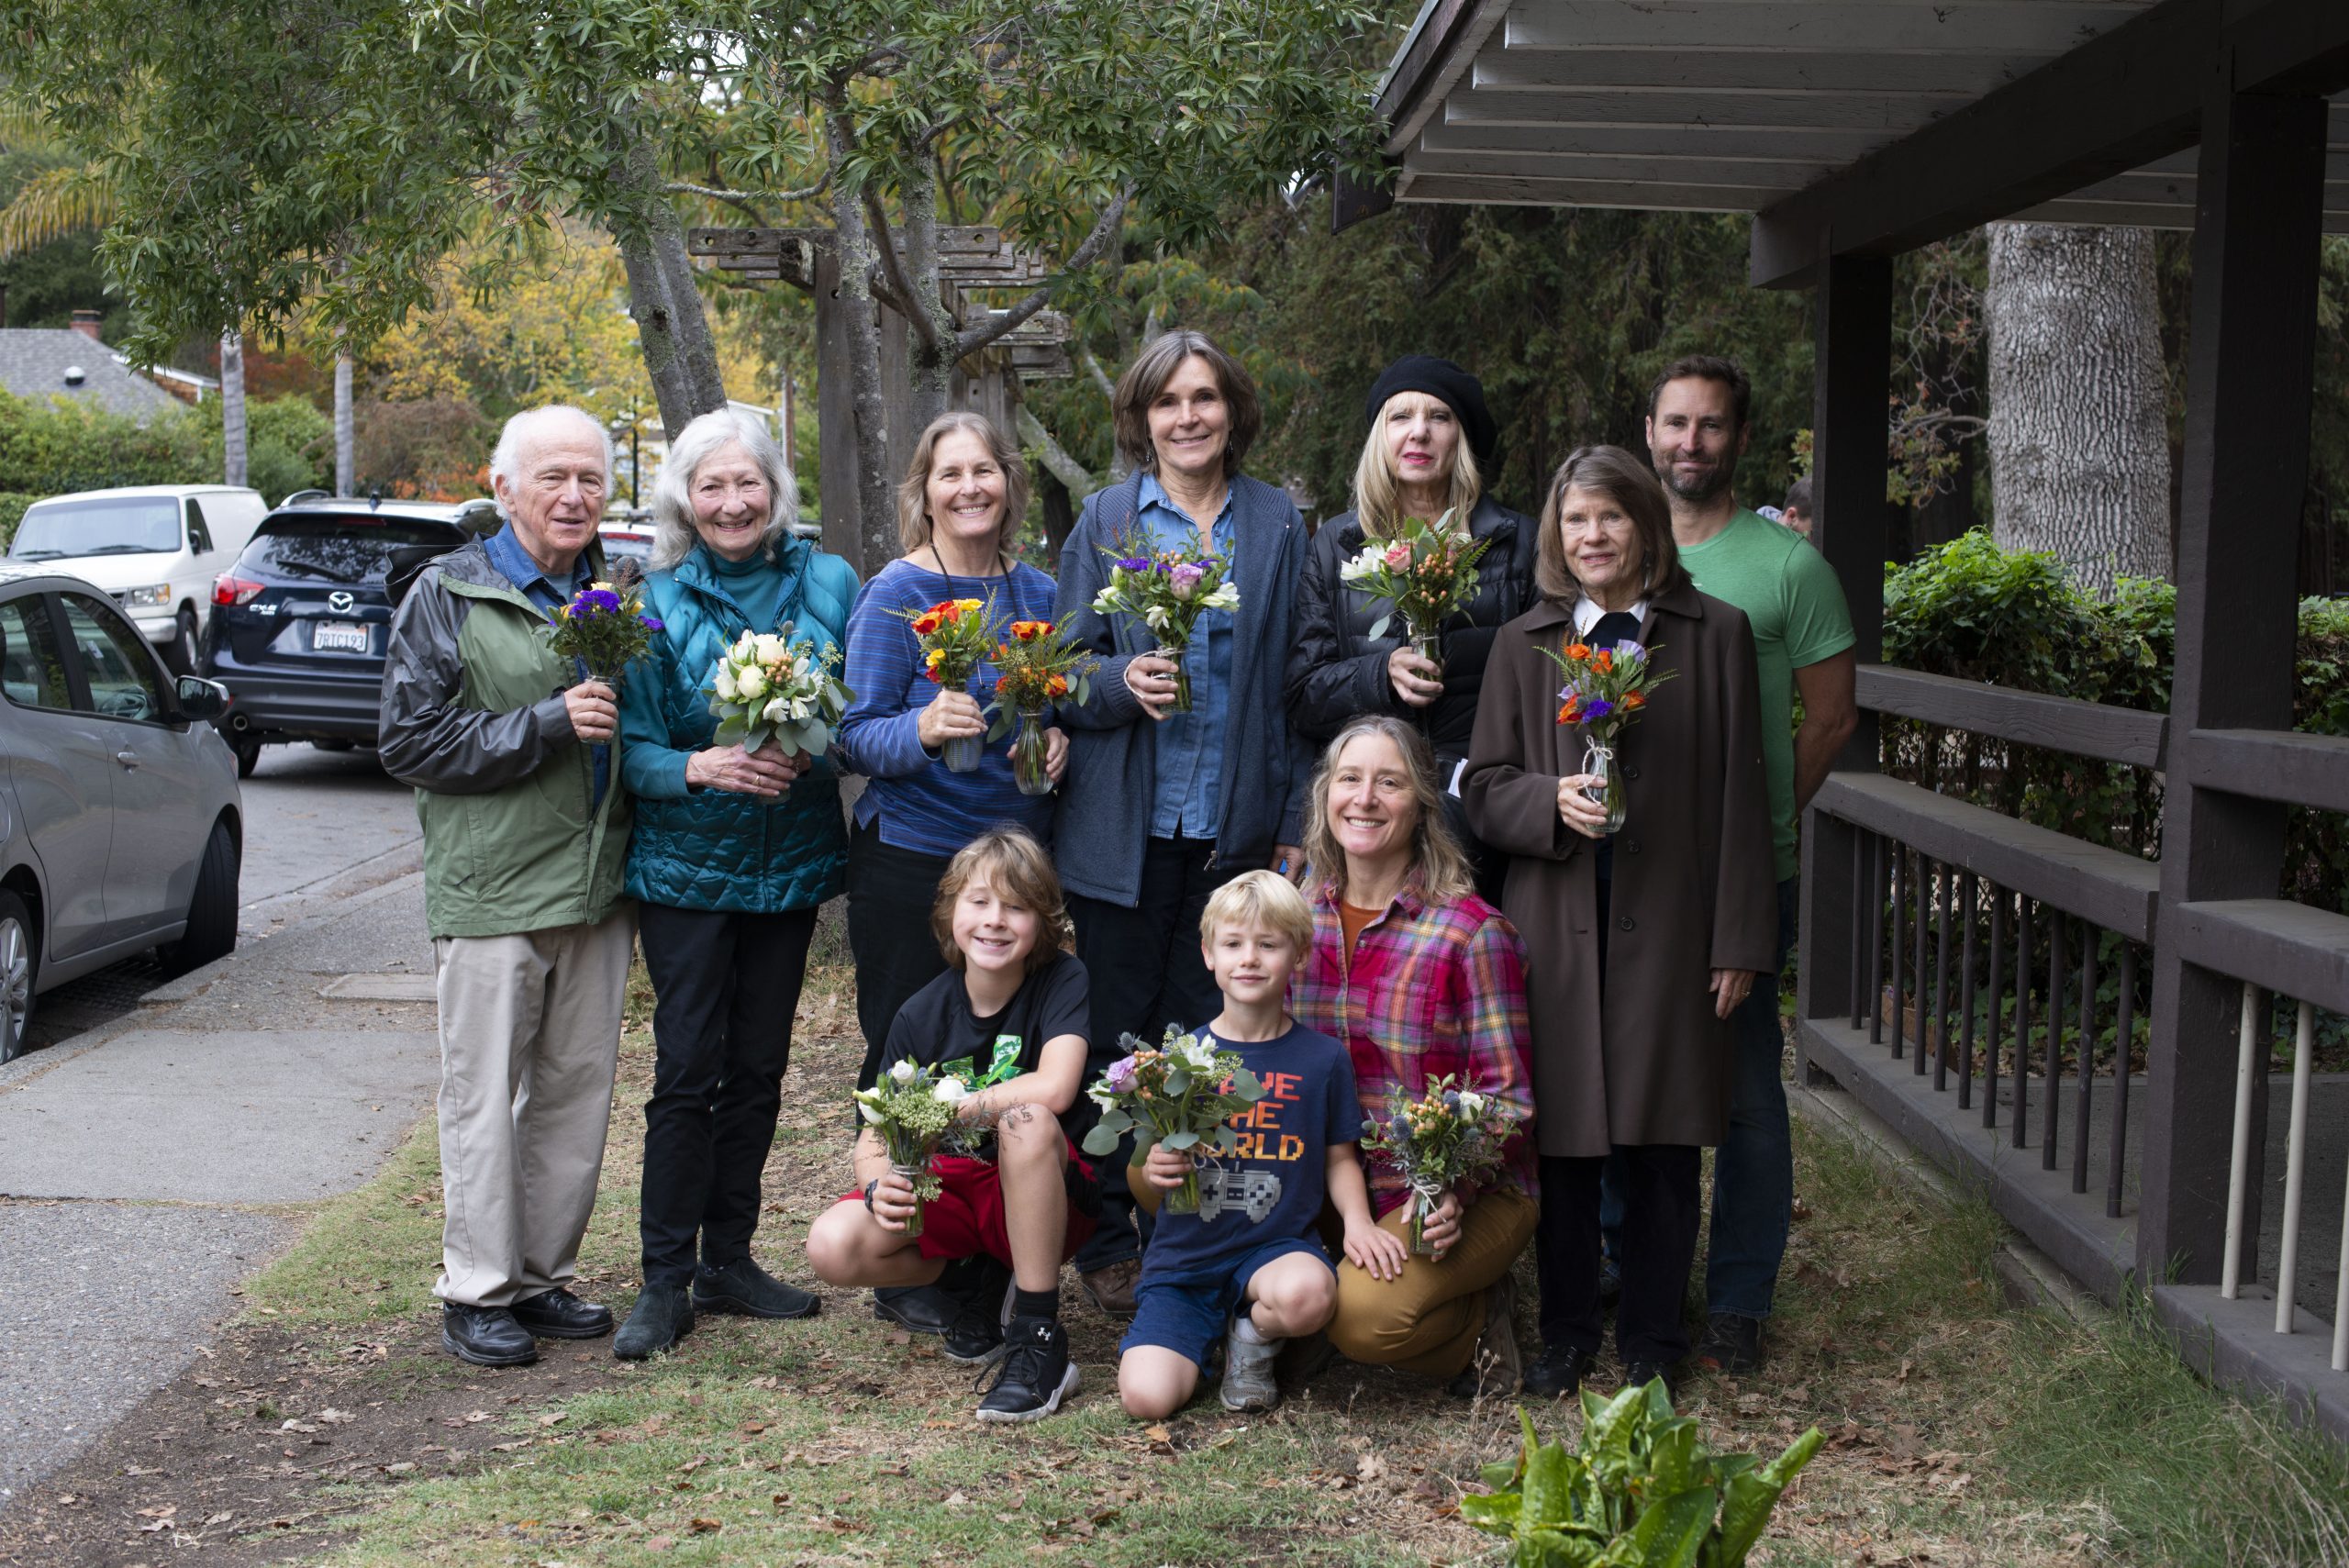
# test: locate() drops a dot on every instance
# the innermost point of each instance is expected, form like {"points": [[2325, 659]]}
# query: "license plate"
{"points": [[339, 636]]}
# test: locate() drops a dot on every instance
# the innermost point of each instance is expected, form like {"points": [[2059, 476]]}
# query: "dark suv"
{"points": [[299, 623]]}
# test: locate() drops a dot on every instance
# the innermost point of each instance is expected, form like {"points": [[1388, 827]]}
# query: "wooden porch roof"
{"points": [[1773, 107]]}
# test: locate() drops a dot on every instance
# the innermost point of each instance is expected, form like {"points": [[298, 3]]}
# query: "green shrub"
{"points": [[11, 511]]}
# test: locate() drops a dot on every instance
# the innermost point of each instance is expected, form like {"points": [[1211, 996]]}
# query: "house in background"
{"points": [[44, 362]]}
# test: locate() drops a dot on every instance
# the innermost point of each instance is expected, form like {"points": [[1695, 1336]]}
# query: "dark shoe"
{"points": [[743, 1288], [1496, 1361], [923, 1308], [1303, 1359], [558, 1315], [1639, 1374], [1558, 1371], [1611, 1281], [1111, 1287], [1036, 1375], [982, 1307], [485, 1336], [664, 1315], [1732, 1344]]}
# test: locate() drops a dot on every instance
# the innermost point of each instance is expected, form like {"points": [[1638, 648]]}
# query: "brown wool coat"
{"points": [[1693, 886]]}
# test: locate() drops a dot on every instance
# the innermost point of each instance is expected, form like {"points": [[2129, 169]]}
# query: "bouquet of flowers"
{"points": [[1425, 573], [1605, 690], [954, 640], [909, 1109], [767, 687], [1166, 589], [1179, 1097], [1037, 665], [605, 628], [1451, 1133]]}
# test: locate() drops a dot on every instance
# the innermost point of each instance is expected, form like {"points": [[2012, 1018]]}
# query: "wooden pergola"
{"points": [[1853, 130]]}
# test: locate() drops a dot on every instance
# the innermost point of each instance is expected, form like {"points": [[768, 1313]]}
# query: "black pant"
{"points": [[725, 987], [891, 892], [1661, 1212], [1144, 969]]}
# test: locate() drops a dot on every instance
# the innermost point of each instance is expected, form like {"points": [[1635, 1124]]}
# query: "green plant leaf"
{"points": [[1548, 1488], [1749, 1497], [1550, 1548], [1671, 1533], [1495, 1513]]}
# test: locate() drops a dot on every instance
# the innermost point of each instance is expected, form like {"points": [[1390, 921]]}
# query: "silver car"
{"points": [[121, 828]]}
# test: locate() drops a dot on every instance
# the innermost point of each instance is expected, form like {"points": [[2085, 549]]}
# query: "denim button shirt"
{"points": [[1190, 745], [506, 553]]}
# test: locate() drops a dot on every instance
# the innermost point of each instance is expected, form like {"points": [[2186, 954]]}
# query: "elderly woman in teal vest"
{"points": [[734, 852]]}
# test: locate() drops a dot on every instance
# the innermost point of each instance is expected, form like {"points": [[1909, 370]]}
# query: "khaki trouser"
{"points": [[529, 1036], [1428, 1319]]}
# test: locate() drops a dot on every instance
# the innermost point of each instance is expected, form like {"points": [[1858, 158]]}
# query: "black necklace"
{"points": [[954, 584]]}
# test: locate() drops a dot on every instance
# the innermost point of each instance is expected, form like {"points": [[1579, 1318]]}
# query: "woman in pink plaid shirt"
{"points": [[1421, 979]]}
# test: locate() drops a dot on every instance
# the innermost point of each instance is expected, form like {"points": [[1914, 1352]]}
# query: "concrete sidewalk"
{"points": [[145, 1167]]}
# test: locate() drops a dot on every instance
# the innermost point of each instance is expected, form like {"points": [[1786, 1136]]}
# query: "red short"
{"points": [[966, 1218]]}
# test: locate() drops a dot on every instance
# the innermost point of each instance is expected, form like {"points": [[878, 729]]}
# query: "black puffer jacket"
{"points": [[1337, 669]]}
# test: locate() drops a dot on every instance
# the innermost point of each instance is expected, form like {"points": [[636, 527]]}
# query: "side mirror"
{"points": [[201, 701]]}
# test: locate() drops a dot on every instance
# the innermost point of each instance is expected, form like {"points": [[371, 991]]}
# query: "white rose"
{"points": [[772, 647], [742, 646], [1225, 597], [950, 1091], [774, 711], [1472, 1106], [725, 685], [869, 1111], [751, 683], [902, 1072]]}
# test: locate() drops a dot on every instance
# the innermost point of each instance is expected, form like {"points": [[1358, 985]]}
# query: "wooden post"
{"points": [[1853, 355], [2249, 388]]}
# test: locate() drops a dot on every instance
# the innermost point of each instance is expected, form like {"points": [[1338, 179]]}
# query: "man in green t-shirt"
{"points": [[1697, 429]]}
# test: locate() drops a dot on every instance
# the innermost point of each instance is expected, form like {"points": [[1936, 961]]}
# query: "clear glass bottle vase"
{"points": [[1028, 749], [1599, 761]]}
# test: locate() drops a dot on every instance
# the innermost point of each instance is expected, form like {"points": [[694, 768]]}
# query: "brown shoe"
{"points": [[1111, 1287]]}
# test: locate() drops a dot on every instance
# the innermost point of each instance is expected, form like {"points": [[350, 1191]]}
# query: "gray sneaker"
{"points": [[1249, 1382]]}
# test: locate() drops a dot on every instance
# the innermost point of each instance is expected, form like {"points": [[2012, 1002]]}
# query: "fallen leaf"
{"points": [[335, 1418], [705, 1526], [1370, 1468], [1158, 1434], [219, 1520], [550, 1418], [957, 1500], [659, 1542], [293, 1426]]}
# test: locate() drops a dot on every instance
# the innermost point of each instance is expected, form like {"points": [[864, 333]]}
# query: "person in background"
{"points": [[525, 833], [1160, 808], [1430, 451], [734, 852], [1649, 936], [964, 495], [1796, 513], [1699, 426]]}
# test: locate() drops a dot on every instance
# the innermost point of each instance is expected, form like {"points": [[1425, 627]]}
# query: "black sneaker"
{"points": [[982, 1309], [664, 1315], [1559, 1370], [1732, 1344], [1036, 1374], [1639, 1374], [558, 1315], [743, 1288], [485, 1336]]}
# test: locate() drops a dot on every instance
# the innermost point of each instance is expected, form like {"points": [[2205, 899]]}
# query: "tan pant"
{"points": [[1427, 1320], [529, 1036]]}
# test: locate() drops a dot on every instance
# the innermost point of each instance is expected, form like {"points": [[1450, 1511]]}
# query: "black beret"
{"points": [[1459, 391]]}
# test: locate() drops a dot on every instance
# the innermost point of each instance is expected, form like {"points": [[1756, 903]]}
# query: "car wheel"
{"points": [[19, 966], [212, 914], [181, 655], [248, 756]]}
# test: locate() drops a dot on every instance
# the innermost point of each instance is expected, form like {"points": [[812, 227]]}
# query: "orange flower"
{"points": [[1029, 631], [1057, 687], [1633, 701], [1569, 712], [930, 621], [1002, 685], [1604, 661], [1577, 651]]}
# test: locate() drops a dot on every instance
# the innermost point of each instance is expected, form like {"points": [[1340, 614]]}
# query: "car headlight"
{"points": [[155, 598]]}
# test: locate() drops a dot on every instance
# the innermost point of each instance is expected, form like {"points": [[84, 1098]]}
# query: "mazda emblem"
{"points": [[339, 601]]}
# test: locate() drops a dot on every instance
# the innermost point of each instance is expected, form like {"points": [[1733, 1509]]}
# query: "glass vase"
{"points": [[1182, 703], [1184, 1199], [913, 1175], [1429, 645], [1422, 1204], [1028, 753], [963, 753], [1599, 761]]}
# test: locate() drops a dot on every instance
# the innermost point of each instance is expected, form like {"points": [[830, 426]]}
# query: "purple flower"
{"points": [[1596, 708], [653, 623], [1132, 563], [1120, 1075], [1400, 1127], [1369, 1128], [596, 602], [1631, 654]]}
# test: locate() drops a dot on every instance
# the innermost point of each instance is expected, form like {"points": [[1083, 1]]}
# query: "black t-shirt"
{"points": [[936, 1025]]}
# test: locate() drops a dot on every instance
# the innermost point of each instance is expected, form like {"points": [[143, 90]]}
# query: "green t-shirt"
{"points": [[1791, 595]]}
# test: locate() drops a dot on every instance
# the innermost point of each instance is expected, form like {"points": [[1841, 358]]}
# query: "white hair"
{"points": [[506, 463], [672, 502]]}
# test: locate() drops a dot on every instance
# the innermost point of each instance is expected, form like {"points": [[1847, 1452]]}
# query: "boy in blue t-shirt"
{"points": [[1249, 1268]]}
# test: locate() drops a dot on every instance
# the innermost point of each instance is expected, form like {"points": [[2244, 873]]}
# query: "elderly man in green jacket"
{"points": [[525, 836]]}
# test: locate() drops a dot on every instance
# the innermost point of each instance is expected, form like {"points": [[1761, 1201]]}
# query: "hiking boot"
{"points": [[485, 1336], [743, 1288], [1249, 1380], [982, 1308], [558, 1315], [1732, 1344], [1111, 1287], [922, 1308], [1558, 1371], [1036, 1374], [663, 1315], [1303, 1359], [1639, 1374], [1496, 1358]]}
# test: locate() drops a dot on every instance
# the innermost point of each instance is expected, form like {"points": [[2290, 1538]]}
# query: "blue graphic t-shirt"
{"points": [[1271, 1188]]}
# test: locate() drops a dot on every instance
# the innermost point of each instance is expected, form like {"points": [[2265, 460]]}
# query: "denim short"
{"points": [[1187, 1315]]}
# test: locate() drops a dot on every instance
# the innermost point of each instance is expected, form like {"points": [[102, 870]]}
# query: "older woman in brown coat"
{"points": [[1639, 944]]}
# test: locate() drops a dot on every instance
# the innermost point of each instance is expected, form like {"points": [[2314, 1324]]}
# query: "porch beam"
{"points": [[2250, 376], [2058, 724], [2270, 764]]}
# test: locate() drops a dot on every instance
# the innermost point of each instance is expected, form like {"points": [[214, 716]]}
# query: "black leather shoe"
{"points": [[1558, 1371], [1639, 1374], [485, 1336], [664, 1315], [743, 1288], [1732, 1344], [985, 1305], [923, 1308], [559, 1315]]}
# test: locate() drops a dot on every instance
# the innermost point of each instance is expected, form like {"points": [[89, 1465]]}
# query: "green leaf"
{"points": [[1750, 1496], [1495, 1513], [1550, 1548], [1548, 1486], [1671, 1533], [1177, 1142], [1378, 628]]}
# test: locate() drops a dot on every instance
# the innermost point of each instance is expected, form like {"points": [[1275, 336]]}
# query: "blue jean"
{"points": [[1754, 1169]]}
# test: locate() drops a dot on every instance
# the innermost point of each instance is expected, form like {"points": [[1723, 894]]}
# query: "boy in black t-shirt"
{"points": [[1015, 1193], [1249, 1268]]}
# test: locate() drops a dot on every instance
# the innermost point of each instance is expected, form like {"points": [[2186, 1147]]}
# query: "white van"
{"points": [[156, 548]]}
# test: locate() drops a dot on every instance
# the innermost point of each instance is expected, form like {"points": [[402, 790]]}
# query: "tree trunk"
{"points": [[2079, 442], [680, 355], [876, 506], [346, 440], [1060, 514], [232, 408], [932, 359]]}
